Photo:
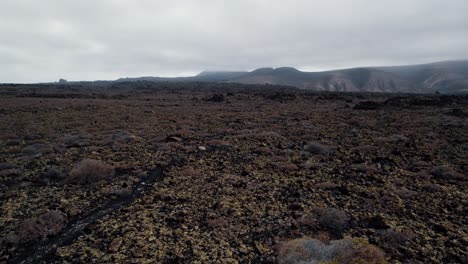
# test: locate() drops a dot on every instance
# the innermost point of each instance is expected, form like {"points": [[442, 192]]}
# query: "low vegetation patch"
{"points": [[47, 224], [344, 251], [90, 171]]}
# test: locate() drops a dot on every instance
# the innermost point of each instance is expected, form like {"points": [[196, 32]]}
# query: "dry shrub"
{"points": [[347, 251], [47, 224], [36, 149], [90, 171], [189, 171], [319, 149], [334, 219], [218, 143], [362, 252], [292, 252], [446, 173], [263, 151], [395, 237], [75, 140], [286, 166], [432, 187]]}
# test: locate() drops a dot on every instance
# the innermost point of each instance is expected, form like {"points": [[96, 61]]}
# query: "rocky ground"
{"points": [[195, 177]]}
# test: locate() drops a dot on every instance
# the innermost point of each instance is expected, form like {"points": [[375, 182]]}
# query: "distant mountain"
{"points": [[219, 75], [444, 77]]}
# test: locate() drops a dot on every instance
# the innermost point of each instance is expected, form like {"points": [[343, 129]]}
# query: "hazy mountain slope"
{"points": [[448, 77], [445, 77], [350, 80]]}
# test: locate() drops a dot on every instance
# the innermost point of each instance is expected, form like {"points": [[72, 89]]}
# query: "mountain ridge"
{"points": [[443, 77]]}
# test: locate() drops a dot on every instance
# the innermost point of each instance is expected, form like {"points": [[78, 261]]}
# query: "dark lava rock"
{"points": [[368, 105], [282, 97], [217, 98], [458, 112], [7, 166], [378, 222]]}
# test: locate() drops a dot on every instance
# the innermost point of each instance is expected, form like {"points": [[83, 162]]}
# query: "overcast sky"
{"points": [[44, 40]]}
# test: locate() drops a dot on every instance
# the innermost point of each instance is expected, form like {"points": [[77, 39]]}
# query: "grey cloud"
{"points": [[107, 39]]}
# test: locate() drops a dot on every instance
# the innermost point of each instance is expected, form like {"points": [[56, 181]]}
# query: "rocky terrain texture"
{"points": [[227, 174]]}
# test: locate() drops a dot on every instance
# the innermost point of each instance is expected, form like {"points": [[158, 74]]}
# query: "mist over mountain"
{"points": [[443, 77]]}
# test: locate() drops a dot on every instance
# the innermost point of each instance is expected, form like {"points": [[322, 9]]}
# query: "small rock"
{"points": [[115, 245], [201, 148], [174, 139]]}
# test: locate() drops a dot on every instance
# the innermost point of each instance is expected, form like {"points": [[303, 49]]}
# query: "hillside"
{"points": [[444, 77]]}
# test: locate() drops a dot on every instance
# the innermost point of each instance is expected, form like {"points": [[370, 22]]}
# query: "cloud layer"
{"points": [[106, 39]]}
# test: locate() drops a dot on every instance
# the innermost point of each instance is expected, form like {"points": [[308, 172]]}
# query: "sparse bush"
{"points": [[218, 143], [36, 149], [445, 173], [47, 224], [313, 251], [54, 174], [396, 237], [333, 219], [90, 171], [318, 149], [362, 252], [217, 98], [71, 140], [432, 187], [286, 166], [263, 151], [189, 171]]}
